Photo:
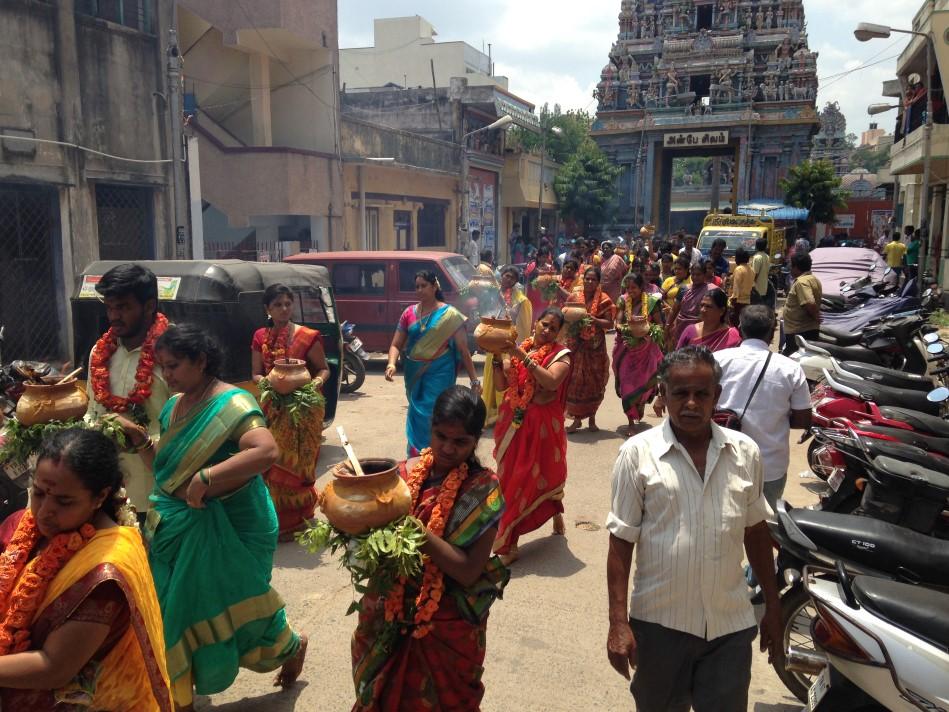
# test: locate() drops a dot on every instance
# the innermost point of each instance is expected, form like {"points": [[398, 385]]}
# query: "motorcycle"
{"points": [[355, 359], [887, 641]]}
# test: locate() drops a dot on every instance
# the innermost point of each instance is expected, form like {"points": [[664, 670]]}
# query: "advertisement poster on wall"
{"points": [[488, 218], [474, 199], [879, 219]]}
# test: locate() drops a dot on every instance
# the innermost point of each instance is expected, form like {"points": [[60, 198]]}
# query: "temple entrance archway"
{"points": [[684, 206]]}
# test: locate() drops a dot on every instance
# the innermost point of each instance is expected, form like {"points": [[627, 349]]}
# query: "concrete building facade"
{"points": [[84, 155]]}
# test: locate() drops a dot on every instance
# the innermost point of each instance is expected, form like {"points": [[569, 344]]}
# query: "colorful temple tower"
{"points": [[726, 79]]}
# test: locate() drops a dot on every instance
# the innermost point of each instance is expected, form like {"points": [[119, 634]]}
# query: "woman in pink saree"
{"points": [[713, 331], [687, 308]]}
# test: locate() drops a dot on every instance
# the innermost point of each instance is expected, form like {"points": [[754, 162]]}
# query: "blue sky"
{"points": [[553, 50]]}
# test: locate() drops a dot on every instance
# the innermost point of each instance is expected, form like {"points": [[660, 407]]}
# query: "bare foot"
{"points": [[574, 426], [293, 667], [510, 557], [560, 528], [593, 426]]}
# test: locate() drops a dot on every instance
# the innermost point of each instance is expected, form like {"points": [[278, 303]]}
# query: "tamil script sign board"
{"points": [[845, 222], [695, 139]]}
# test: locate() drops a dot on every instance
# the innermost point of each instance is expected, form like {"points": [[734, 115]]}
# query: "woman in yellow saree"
{"points": [[517, 307], [80, 625], [213, 529]]}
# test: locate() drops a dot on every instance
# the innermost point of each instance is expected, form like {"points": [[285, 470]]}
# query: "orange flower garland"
{"points": [[144, 374], [274, 348], [23, 585], [588, 332], [520, 393], [433, 578]]}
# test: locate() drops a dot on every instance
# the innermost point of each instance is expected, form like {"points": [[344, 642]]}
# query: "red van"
{"points": [[373, 288]]}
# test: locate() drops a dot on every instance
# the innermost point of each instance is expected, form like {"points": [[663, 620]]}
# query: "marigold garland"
{"points": [[274, 347], [24, 582], [102, 354], [589, 331], [433, 578], [520, 393]]}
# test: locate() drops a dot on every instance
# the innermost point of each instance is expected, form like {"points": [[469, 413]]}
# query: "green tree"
{"points": [[586, 187], [574, 128], [873, 158], [814, 185]]}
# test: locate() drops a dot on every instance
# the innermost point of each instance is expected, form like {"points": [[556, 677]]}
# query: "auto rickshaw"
{"points": [[225, 297]]}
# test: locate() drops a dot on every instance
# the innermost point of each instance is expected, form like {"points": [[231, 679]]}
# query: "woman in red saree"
{"points": [[530, 442], [591, 363], [409, 655], [713, 331], [80, 624], [292, 479]]}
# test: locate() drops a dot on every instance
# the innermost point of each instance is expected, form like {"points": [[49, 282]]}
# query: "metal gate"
{"points": [[124, 218], [30, 293]]}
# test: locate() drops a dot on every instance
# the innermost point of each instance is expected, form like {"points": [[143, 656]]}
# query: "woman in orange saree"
{"points": [[80, 625], [409, 654], [591, 363], [291, 481], [530, 442]]}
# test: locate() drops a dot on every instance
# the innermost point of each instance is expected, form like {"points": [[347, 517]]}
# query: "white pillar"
{"points": [[197, 207], [258, 72]]}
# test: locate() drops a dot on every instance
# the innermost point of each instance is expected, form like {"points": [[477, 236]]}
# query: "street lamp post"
{"points": [[501, 123], [867, 31], [543, 153]]}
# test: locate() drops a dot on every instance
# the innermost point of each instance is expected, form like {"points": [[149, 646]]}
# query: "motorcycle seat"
{"points": [[917, 610], [888, 395], [889, 377], [910, 437], [912, 471], [907, 453], [841, 337], [876, 546], [849, 353], [923, 422]]}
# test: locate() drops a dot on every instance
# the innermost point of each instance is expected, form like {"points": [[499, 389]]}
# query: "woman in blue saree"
{"points": [[432, 339], [212, 529]]}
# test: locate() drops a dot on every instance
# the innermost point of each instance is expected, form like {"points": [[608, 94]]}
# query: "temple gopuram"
{"points": [[690, 79]]}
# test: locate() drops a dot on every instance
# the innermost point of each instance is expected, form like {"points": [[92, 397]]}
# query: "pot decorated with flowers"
{"points": [[574, 312], [492, 335], [287, 375], [354, 504]]}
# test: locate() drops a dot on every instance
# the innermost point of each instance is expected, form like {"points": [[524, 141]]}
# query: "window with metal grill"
{"points": [[137, 14], [124, 217]]}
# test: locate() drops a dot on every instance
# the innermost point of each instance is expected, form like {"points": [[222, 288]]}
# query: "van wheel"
{"points": [[354, 373]]}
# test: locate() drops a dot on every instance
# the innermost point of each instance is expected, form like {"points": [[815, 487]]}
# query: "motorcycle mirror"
{"points": [[931, 338], [940, 395], [936, 348]]}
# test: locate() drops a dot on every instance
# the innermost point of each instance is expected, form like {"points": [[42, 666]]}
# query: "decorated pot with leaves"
{"points": [[355, 504], [287, 375], [574, 312], [491, 335], [481, 283], [44, 403]]}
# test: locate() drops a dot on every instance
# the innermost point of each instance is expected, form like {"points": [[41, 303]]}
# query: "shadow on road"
{"points": [[548, 556], [276, 701], [779, 707]]}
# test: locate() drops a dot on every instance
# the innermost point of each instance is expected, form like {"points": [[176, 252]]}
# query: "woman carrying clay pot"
{"points": [[292, 478]]}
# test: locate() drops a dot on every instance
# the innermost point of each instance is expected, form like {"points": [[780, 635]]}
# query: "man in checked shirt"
{"points": [[688, 496]]}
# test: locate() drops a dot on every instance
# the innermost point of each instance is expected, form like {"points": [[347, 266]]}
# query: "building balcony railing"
{"points": [[907, 156]]}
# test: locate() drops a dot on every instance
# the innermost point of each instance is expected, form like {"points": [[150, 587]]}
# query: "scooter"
{"points": [[887, 641], [355, 359]]}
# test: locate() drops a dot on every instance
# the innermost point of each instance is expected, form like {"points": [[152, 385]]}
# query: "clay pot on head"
{"points": [[287, 375], [355, 505], [492, 334], [574, 312], [48, 402]]}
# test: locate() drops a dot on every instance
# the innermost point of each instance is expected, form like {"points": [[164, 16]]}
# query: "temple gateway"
{"points": [[730, 82]]}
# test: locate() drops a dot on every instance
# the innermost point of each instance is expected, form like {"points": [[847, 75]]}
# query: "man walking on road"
{"points": [[802, 307], [690, 494], [472, 251], [780, 402], [763, 291]]}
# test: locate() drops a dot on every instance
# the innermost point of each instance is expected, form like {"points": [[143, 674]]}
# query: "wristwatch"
{"points": [[475, 383]]}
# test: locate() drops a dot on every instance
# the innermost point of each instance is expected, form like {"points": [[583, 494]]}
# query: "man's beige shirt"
{"points": [[689, 530], [138, 478]]}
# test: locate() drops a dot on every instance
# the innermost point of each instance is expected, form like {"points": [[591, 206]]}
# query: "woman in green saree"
{"points": [[212, 529]]}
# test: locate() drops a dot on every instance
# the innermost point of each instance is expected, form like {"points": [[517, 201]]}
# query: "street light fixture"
{"points": [[875, 109], [501, 123], [868, 31], [557, 131]]}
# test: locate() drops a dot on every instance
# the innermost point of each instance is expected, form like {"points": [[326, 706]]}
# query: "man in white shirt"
{"points": [[781, 402], [690, 251], [689, 493], [130, 294], [473, 248]]}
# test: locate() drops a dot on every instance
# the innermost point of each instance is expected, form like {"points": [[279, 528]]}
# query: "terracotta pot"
{"points": [[287, 375], [482, 282], [492, 334], [45, 403], [638, 326], [357, 504], [573, 312], [547, 278]]}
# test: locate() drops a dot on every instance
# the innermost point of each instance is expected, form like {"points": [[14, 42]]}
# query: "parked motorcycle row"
{"points": [[864, 575]]}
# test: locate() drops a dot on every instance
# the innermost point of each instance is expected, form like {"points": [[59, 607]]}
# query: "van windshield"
{"points": [[460, 270], [733, 239]]}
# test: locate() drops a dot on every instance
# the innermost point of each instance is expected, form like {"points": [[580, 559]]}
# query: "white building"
{"points": [[403, 52]]}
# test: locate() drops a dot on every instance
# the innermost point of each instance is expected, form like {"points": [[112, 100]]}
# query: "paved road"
{"points": [[546, 639]]}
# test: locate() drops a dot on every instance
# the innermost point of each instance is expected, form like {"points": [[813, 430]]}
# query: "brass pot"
{"points": [[357, 504], [48, 402], [492, 334], [287, 375], [573, 312]]}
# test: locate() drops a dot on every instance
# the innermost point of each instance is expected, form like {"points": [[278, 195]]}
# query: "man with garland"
{"points": [[124, 379]]}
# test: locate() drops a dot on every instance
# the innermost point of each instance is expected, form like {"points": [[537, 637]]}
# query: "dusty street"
{"points": [[546, 639]]}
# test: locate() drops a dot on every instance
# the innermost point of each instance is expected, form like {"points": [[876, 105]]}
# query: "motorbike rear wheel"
{"points": [[353, 374], [797, 612]]}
